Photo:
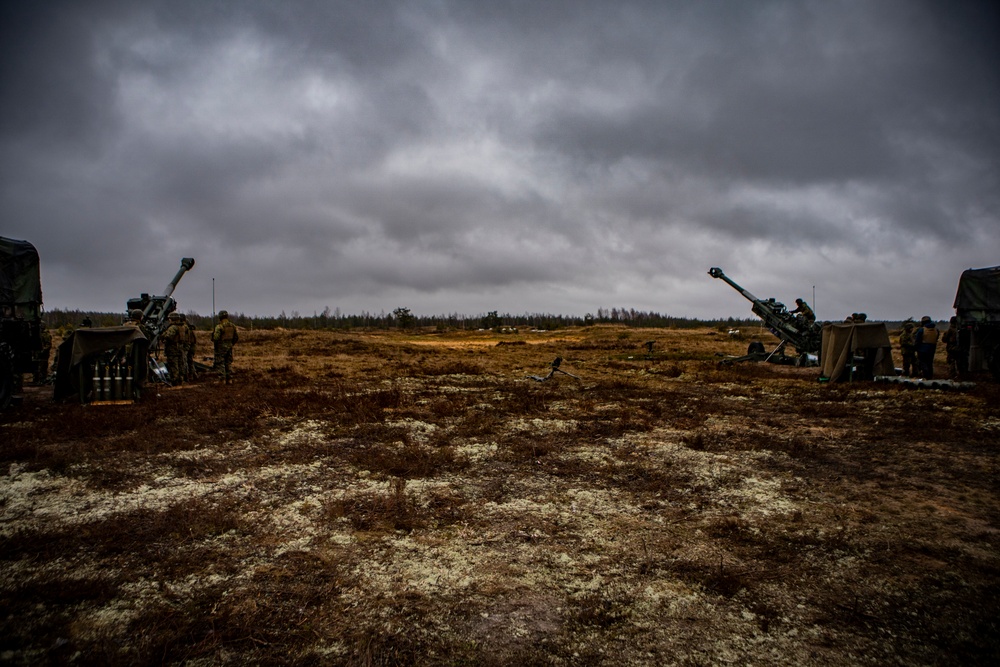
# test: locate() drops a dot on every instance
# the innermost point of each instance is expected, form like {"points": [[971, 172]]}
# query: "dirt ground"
{"points": [[414, 498]]}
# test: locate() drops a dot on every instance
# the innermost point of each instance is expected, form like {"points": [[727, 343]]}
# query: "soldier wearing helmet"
{"points": [[805, 313], [185, 344], [172, 339], [189, 349], [224, 337], [925, 339], [135, 320], [908, 348]]}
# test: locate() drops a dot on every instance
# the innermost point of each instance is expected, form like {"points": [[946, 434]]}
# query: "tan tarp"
{"points": [[843, 342]]}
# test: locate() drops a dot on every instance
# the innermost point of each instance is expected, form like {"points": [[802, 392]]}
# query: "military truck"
{"points": [[977, 307], [20, 315]]}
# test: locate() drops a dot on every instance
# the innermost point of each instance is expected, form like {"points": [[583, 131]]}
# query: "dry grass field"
{"points": [[413, 498]]}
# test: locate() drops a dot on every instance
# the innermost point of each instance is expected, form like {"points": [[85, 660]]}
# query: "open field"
{"points": [[390, 498]]}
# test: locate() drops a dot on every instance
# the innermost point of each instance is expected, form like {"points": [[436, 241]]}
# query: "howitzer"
{"points": [[155, 309], [804, 335]]}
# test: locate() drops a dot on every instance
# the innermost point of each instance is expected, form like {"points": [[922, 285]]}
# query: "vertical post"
{"points": [[213, 302]]}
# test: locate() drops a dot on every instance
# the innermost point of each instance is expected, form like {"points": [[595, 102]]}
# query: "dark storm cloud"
{"points": [[467, 156]]}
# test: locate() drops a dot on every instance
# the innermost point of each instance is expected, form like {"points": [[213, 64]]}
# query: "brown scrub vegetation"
{"points": [[380, 498]]}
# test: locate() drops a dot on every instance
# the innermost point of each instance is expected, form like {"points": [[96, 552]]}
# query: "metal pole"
{"points": [[814, 299], [213, 302]]}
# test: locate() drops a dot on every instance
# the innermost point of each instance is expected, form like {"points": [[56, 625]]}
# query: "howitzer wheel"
{"points": [[756, 347]]}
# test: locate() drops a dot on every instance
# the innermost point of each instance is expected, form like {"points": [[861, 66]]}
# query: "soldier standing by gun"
{"points": [[224, 337], [908, 348], [192, 341], [926, 339], [951, 346], [42, 360], [172, 348], [185, 338], [135, 320]]}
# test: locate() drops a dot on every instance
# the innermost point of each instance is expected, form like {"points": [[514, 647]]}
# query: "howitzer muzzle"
{"points": [[186, 265]]}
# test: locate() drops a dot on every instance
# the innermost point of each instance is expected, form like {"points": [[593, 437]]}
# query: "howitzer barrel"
{"points": [[186, 265], [159, 306], [716, 272]]}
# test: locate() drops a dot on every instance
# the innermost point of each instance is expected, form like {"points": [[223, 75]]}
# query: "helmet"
{"points": [[798, 301], [174, 316], [223, 314], [183, 317], [135, 314], [925, 319]]}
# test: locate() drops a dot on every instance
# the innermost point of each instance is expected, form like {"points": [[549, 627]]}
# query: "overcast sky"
{"points": [[467, 156]]}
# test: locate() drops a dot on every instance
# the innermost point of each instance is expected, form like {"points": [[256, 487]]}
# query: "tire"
{"points": [[756, 347]]}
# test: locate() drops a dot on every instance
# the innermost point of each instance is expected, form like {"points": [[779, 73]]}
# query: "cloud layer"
{"points": [[513, 156]]}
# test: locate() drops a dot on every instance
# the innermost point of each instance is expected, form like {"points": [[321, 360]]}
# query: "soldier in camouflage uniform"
{"points": [[951, 346], [135, 320], [172, 348], [224, 337], [192, 341], [184, 339], [908, 348], [805, 313], [925, 339], [42, 359]]}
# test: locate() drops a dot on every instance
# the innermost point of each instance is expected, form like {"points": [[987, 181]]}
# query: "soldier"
{"points": [[192, 341], [925, 339], [87, 322], [951, 346], [135, 320], [172, 348], [224, 337], [805, 312], [185, 338], [908, 348], [42, 360]]}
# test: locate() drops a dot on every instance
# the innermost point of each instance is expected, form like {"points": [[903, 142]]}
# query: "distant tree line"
{"points": [[403, 318]]}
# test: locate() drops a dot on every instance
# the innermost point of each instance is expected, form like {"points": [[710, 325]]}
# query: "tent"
{"points": [[84, 347], [859, 350]]}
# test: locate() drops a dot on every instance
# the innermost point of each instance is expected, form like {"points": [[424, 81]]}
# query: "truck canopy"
{"points": [[20, 278], [979, 290]]}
